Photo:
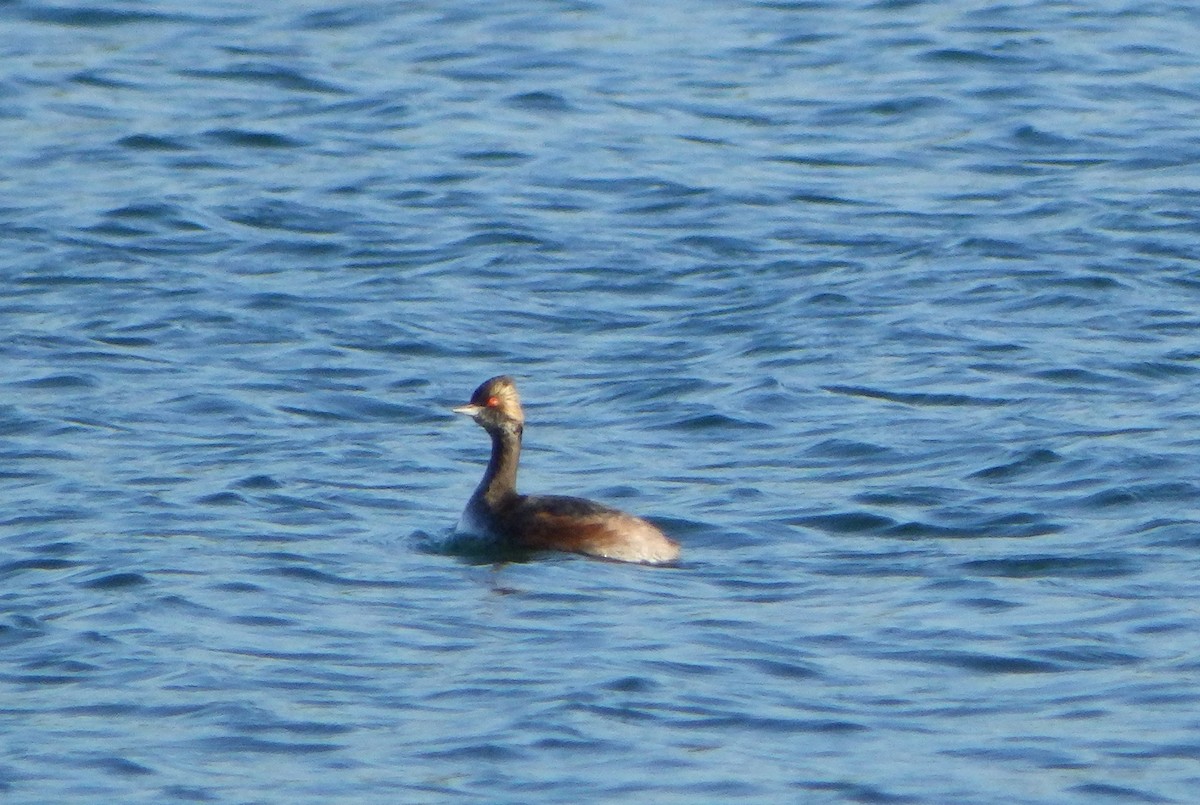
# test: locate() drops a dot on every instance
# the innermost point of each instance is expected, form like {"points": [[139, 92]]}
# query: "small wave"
{"points": [[714, 421], [1108, 792], [470, 548], [117, 581], [979, 662], [242, 138], [540, 102], [96, 17], [150, 142], [240, 744], [1028, 463], [222, 499], [321, 577], [1134, 494], [258, 483], [40, 563], [286, 78], [848, 449], [66, 382], [1022, 525], [974, 57], [918, 399], [122, 767], [1049, 566], [847, 522]]}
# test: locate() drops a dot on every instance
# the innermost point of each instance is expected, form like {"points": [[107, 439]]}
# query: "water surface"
{"points": [[886, 311]]}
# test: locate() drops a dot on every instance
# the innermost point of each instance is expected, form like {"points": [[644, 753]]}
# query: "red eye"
{"points": [[493, 402]]}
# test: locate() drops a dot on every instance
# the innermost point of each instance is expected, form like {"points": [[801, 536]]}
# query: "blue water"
{"points": [[889, 312]]}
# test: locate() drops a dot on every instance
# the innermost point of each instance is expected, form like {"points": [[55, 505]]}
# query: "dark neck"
{"points": [[500, 479]]}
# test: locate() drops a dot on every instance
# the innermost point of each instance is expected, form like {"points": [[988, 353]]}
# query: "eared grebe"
{"points": [[545, 522]]}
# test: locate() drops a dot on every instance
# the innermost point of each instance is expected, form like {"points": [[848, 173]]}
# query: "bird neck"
{"points": [[500, 478]]}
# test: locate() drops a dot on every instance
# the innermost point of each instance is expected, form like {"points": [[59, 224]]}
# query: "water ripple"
{"points": [[888, 315]]}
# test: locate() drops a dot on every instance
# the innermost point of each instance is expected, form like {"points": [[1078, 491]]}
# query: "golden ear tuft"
{"points": [[500, 394]]}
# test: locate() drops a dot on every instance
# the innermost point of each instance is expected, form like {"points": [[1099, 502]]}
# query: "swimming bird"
{"points": [[545, 522]]}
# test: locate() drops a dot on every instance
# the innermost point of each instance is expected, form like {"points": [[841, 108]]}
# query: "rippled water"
{"points": [[887, 311]]}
